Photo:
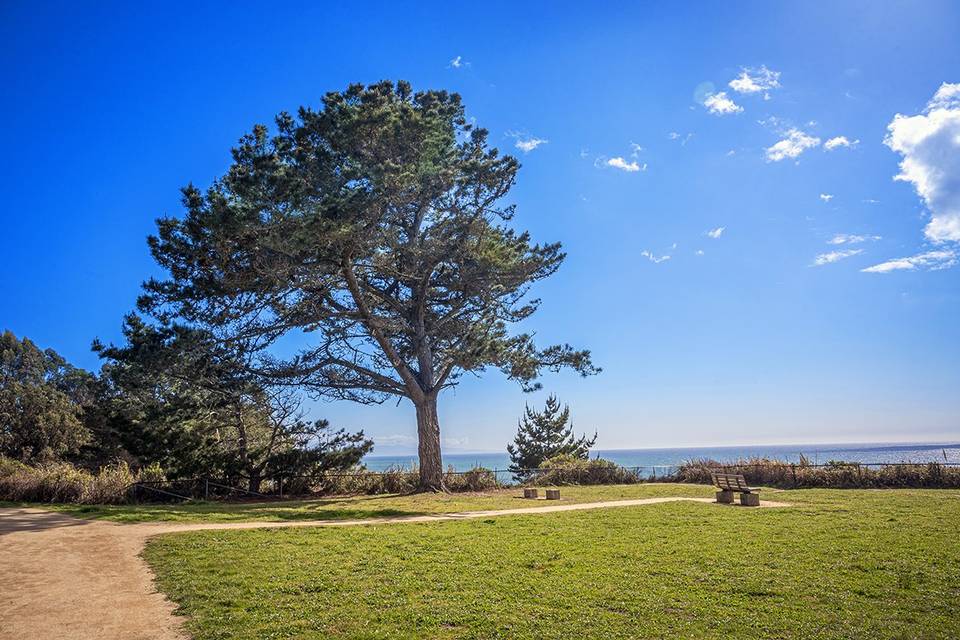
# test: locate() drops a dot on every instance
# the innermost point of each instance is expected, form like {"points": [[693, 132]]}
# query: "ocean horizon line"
{"points": [[915, 444]]}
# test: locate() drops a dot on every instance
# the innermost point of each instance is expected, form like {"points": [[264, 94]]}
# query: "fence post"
{"points": [[206, 488]]}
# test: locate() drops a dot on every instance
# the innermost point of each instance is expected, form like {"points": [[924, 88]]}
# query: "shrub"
{"points": [[152, 474], [572, 470], [476, 479], [110, 485], [62, 482], [833, 474]]}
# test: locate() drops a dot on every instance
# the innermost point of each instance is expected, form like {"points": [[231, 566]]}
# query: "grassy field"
{"points": [[837, 564], [341, 508]]}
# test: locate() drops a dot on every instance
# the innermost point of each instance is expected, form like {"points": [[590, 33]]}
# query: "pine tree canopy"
{"points": [[541, 435], [377, 228]]}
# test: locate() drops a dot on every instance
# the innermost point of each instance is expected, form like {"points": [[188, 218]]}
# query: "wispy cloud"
{"points": [[850, 238], [792, 146], [929, 261], [683, 138], [719, 104], [526, 142], [826, 197], [529, 144], [834, 256], [653, 258], [458, 63], [930, 146], [756, 81], [715, 233], [839, 142], [395, 439], [630, 167]]}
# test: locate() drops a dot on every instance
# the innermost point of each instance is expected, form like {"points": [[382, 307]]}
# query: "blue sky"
{"points": [[770, 332]]}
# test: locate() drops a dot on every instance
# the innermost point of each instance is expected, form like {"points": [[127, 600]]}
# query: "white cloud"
{"points": [[395, 439], [635, 149], [849, 238], [834, 256], [654, 259], [698, 252], [719, 104], [455, 443], [684, 139], [526, 142], [623, 165], [839, 141], [826, 197], [715, 233], [755, 81], [930, 146], [931, 261], [458, 62], [529, 144], [792, 146]]}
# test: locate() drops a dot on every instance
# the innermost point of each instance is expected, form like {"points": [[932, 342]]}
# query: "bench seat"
{"points": [[730, 483]]}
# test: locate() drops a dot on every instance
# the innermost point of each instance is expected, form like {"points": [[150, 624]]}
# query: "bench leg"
{"points": [[725, 497], [750, 499]]}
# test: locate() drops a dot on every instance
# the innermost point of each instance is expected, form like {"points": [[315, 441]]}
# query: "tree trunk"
{"points": [[255, 479], [428, 436]]}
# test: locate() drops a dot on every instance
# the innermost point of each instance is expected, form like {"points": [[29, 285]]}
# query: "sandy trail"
{"points": [[66, 578]]}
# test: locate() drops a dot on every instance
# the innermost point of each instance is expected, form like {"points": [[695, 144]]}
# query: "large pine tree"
{"points": [[541, 435], [375, 229]]}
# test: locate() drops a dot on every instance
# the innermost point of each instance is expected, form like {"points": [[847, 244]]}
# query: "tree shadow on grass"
{"points": [[333, 508]]}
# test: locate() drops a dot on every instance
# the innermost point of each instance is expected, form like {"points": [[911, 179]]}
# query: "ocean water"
{"points": [[664, 459]]}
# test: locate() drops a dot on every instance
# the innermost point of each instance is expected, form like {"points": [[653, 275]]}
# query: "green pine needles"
{"points": [[542, 435]]}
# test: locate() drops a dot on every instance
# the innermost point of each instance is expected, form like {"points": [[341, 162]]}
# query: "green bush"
{"points": [[561, 470], [476, 479]]}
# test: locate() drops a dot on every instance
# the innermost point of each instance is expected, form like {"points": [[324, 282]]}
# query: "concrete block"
{"points": [[725, 497], [531, 493], [750, 499], [553, 494]]}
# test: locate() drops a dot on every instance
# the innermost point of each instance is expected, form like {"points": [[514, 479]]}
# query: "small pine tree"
{"points": [[542, 435]]}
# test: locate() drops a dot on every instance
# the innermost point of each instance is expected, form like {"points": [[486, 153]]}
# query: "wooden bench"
{"points": [[730, 483]]}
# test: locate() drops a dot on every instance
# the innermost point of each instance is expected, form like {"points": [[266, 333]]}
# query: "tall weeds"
{"points": [[837, 475], [62, 482]]}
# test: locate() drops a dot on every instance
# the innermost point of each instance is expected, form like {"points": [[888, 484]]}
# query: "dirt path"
{"points": [[66, 578]]}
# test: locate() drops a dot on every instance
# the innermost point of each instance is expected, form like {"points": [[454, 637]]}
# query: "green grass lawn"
{"points": [[340, 508], [838, 564]]}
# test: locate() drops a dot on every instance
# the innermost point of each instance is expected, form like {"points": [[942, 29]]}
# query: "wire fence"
{"points": [[392, 481]]}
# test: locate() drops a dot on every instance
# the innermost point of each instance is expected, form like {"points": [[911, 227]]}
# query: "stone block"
{"points": [[750, 499]]}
